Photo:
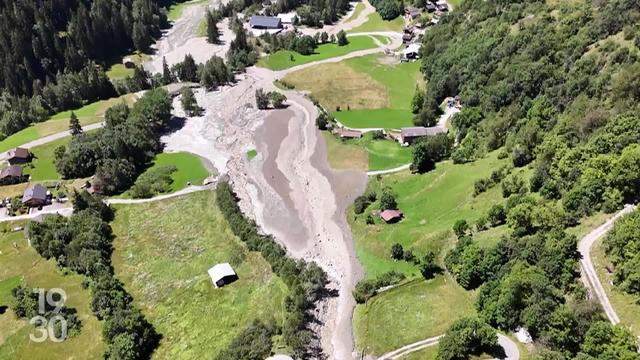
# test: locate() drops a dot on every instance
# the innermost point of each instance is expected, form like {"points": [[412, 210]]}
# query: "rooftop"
{"points": [[35, 191], [388, 215], [265, 22], [20, 153], [423, 131], [11, 171], [220, 271]]}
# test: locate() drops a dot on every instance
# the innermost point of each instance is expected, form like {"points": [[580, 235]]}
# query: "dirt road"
{"points": [[588, 272], [510, 348]]}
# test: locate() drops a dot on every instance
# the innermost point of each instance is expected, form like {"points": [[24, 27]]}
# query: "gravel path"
{"points": [[588, 272]]}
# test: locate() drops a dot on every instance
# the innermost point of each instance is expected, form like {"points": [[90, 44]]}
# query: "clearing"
{"points": [[175, 8], [88, 114], [368, 91], [284, 59], [162, 253], [23, 264], [42, 166], [375, 23], [189, 169], [413, 311]]}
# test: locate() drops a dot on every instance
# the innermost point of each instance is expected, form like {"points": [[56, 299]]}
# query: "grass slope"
{"points": [[189, 168], [431, 203], [365, 154], [370, 93], [343, 155], [42, 166], [356, 12], [23, 264], [162, 253], [411, 312], [281, 59], [375, 23], [88, 114]]}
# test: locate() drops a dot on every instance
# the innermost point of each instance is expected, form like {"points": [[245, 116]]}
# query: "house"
{"points": [[431, 7], [412, 13], [412, 51], [35, 195], [442, 6], [265, 22], [288, 18], [11, 172], [408, 29], [406, 38], [410, 134], [222, 274], [391, 216], [18, 156], [348, 134]]}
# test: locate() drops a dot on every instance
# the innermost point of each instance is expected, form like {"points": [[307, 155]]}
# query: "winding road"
{"points": [[588, 272]]}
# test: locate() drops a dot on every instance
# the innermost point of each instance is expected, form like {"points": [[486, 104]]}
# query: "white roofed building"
{"points": [[222, 274]]}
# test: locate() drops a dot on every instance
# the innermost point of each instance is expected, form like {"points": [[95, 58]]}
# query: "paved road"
{"points": [[187, 190], [588, 271], [510, 348], [389, 171]]}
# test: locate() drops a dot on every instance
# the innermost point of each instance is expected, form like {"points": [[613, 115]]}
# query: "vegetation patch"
{"points": [[186, 168], [22, 265], [344, 155], [162, 253], [42, 166], [251, 154], [284, 59]]}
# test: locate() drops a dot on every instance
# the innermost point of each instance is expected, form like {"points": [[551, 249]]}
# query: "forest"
{"points": [[552, 87]]}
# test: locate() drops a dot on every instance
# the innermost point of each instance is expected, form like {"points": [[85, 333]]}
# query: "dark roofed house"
{"points": [[18, 156], [35, 195], [412, 12], [12, 171], [406, 38], [442, 7], [411, 134], [265, 22], [431, 7], [391, 216]]}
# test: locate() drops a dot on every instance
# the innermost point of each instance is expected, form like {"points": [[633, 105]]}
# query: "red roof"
{"points": [[389, 215]]}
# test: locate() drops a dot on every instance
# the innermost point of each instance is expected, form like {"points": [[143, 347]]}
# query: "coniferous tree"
{"points": [[167, 76], [74, 125], [213, 35]]}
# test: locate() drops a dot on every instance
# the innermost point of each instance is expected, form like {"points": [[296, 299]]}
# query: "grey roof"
{"points": [[221, 271], [423, 131], [35, 191], [19, 153], [11, 171], [269, 22]]}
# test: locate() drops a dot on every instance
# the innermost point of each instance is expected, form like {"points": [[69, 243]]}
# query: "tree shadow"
{"points": [[175, 123], [3, 309]]}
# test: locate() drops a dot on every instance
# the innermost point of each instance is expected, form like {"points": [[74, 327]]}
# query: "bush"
{"points": [[397, 252], [367, 288], [153, 182], [277, 99], [322, 121], [388, 200]]}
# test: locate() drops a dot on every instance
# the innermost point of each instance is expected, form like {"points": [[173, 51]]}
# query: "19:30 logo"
{"points": [[46, 328]]}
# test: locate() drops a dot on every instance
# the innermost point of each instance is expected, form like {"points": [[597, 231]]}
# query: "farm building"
{"points": [[412, 51], [18, 156], [410, 134], [222, 274], [35, 195], [11, 171], [431, 7], [265, 22], [412, 12], [391, 216]]}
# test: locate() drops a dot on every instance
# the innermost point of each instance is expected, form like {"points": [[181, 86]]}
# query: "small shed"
{"points": [[442, 6], [349, 134], [11, 171], [265, 22], [412, 51], [35, 195], [431, 7], [391, 216], [222, 274], [18, 156], [407, 37]]}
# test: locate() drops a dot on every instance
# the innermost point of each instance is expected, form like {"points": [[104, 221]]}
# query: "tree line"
{"points": [[82, 243], [305, 281]]}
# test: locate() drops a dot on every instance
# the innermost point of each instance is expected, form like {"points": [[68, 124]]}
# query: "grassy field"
{"points": [[625, 304], [431, 203], [189, 169], [162, 253], [22, 264], [42, 166], [411, 312], [365, 154], [375, 23], [118, 71], [251, 154], [282, 59], [88, 114], [370, 93]]}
